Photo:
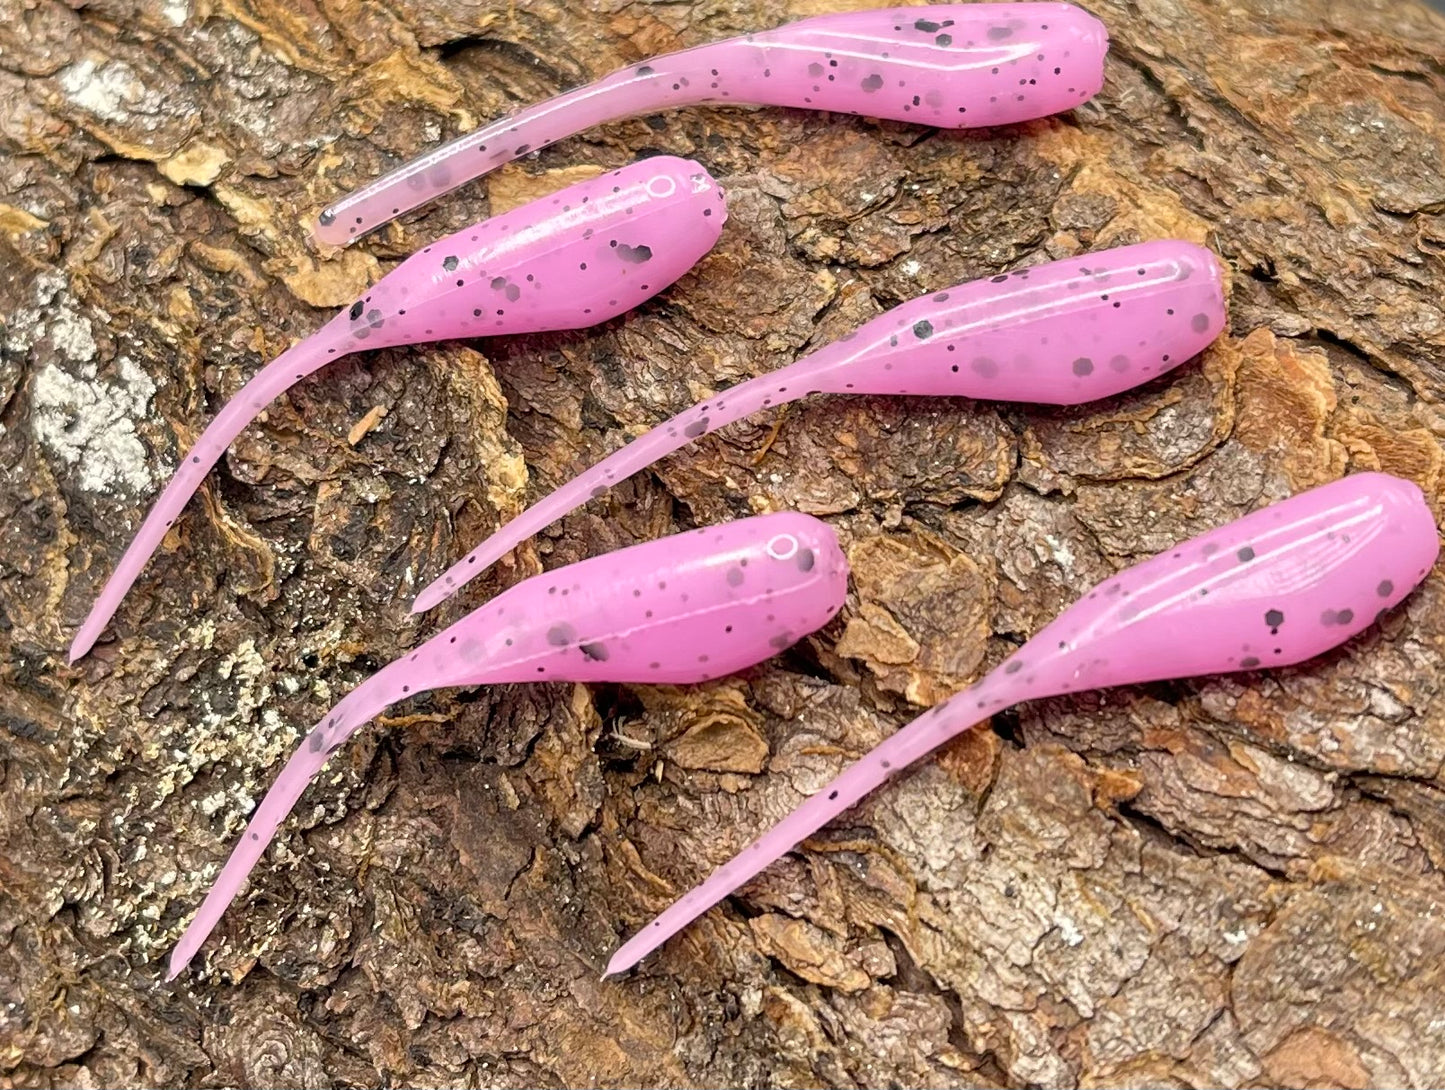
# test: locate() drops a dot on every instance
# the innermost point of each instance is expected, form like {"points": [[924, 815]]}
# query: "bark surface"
{"points": [[1232, 881]]}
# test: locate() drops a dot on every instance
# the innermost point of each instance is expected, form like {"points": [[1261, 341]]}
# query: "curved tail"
{"points": [[730, 405], [919, 738], [354, 711], [622, 94], [269, 383]]}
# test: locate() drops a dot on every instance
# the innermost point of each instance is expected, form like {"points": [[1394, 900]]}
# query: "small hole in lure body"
{"points": [[1056, 334], [1274, 588], [581, 256], [679, 610], [953, 66]]}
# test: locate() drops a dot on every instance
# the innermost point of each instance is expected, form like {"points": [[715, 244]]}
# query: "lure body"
{"points": [[582, 256], [1274, 588], [679, 610], [1062, 333], [954, 66]]}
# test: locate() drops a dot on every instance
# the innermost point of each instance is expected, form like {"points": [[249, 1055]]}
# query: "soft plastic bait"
{"points": [[1274, 588], [679, 610], [1056, 334], [579, 257], [954, 66]]}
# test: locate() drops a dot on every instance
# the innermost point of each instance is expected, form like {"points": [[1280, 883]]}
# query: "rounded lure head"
{"points": [[682, 609], [1061, 333], [580, 257], [1274, 588], [954, 66]]}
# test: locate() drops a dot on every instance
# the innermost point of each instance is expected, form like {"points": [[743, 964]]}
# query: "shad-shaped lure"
{"points": [[582, 256], [1274, 588], [953, 66], [1056, 334], [679, 610]]}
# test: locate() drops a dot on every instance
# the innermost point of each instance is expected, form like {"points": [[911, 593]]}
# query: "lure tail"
{"points": [[1008, 684], [912, 742], [354, 711], [269, 383], [468, 157], [730, 405]]}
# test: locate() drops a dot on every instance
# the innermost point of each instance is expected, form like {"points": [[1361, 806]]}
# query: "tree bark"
{"points": [[1230, 881]]}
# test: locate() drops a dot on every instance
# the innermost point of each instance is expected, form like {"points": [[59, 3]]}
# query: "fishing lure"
{"points": [[675, 611], [953, 66], [585, 255], [1059, 334], [1274, 588]]}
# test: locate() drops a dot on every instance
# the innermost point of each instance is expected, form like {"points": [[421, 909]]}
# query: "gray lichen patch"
{"points": [[83, 414], [89, 422], [110, 90]]}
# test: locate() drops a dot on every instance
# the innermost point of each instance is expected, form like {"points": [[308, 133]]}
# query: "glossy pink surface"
{"points": [[954, 66], [679, 610], [581, 256], [1276, 587], [1055, 334]]}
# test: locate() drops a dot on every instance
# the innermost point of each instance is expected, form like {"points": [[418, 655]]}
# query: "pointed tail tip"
{"points": [[620, 963], [425, 600], [180, 958], [79, 646], [88, 632]]}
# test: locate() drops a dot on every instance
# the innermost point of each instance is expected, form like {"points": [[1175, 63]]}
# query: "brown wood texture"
{"points": [[1230, 881]]}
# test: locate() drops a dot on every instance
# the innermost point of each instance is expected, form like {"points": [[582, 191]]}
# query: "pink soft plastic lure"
{"points": [[582, 256], [683, 609], [953, 66], [1055, 334], [1274, 588]]}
